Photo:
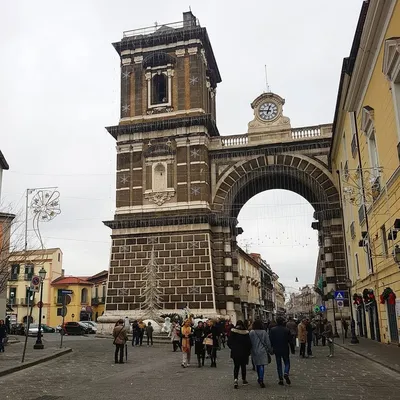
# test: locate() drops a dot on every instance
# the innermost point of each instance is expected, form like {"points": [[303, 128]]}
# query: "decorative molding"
{"points": [[367, 119], [192, 50], [126, 61], [138, 59], [180, 52], [203, 57], [159, 110], [391, 59], [159, 198]]}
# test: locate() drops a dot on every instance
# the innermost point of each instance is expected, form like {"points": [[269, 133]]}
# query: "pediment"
{"points": [[367, 119], [391, 59], [267, 96]]}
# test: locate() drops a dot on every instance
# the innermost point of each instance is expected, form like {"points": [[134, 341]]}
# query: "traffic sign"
{"points": [[35, 283], [40, 304], [339, 295], [322, 308], [340, 304], [67, 299], [72, 315], [66, 291], [64, 311], [316, 309]]}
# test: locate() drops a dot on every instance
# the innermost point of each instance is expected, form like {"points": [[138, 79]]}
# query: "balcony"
{"points": [[376, 188], [12, 301], [13, 277], [28, 277], [346, 171], [25, 301]]}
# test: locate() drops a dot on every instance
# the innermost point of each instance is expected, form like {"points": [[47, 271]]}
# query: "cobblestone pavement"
{"points": [[155, 372]]}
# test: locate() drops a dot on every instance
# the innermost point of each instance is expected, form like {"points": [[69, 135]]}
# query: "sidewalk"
{"points": [[387, 355], [10, 360]]}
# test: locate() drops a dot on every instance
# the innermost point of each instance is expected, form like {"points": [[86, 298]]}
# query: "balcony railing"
{"points": [[13, 277], [12, 301], [346, 171], [309, 132], [234, 140], [28, 277], [25, 301]]}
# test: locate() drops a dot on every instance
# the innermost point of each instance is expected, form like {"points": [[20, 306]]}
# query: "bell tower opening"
{"points": [[159, 89]]}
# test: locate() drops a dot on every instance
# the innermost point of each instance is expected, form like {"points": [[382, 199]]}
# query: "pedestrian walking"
{"points": [[3, 335], [321, 328], [281, 340], [142, 328], [135, 333], [240, 344], [186, 342], [212, 333], [328, 333], [260, 349], [199, 346], [292, 326], [302, 336], [175, 336], [310, 334], [120, 338], [345, 326], [149, 334]]}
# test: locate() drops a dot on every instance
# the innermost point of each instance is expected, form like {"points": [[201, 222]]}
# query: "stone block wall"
{"points": [[185, 271]]}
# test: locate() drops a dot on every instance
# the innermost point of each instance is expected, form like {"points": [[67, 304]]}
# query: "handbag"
{"points": [[208, 342], [118, 336]]}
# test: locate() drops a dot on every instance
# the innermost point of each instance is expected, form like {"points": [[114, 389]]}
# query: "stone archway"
{"points": [[309, 177]]}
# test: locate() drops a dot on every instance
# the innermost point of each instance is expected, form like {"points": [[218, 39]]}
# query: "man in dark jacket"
{"points": [[240, 345], [280, 338]]}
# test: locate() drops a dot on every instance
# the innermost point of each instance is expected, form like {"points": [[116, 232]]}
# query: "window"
{"points": [[159, 88], [59, 312], [159, 177], [29, 268], [357, 265], [385, 248], [12, 296], [354, 138], [84, 295], [373, 154], [368, 127], [368, 256], [14, 272], [59, 257]]}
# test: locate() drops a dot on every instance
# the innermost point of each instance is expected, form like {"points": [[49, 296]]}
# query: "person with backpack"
{"points": [[240, 344]]}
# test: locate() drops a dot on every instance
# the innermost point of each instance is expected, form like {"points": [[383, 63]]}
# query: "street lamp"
{"points": [[39, 344], [354, 339], [332, 293]]}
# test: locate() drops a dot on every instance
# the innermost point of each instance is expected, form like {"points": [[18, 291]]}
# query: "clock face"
{"points": [[268, 111]]}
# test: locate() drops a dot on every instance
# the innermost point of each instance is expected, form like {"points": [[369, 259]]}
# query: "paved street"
{"points": [[155, 372]]}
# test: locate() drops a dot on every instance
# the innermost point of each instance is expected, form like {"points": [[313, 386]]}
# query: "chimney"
{"points": [[62, 272]]}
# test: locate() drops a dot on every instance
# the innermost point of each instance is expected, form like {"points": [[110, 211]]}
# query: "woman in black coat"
{"points": [[199, 347], [211, 332], [240, 345]]}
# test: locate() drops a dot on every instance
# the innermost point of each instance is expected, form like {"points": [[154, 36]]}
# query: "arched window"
{"points": [[84, 295], [159, 178], [159, 89]]}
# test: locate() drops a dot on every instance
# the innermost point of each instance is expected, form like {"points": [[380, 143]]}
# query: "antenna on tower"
{"points": [[266, 79]]}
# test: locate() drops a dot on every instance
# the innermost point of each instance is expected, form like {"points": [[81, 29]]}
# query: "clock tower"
{"points": [[268, 118]]}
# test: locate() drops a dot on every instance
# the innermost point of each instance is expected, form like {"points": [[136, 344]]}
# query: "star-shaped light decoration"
{"points": [[194, 245], [125, 74], [194, 290], [124, 249], [195, 191], [176, 268], [126, 108], [153, 240], [193, 80], [123, 292], [124, 179], [195, 153]]}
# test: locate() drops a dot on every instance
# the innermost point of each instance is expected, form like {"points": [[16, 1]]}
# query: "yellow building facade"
{"points": [[366, 157], [23, 266], [99, 293], [78, 303]]}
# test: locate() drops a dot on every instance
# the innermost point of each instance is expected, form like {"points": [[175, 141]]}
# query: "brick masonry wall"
{"points": [[185, 276]]}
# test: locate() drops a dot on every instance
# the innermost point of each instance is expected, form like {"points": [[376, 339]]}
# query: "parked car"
{"points": [[73, 328], [34, 329], [90, 326], [48, 329]]}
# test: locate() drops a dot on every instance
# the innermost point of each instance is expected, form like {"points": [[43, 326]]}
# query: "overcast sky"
{"points": [[59, 80]]}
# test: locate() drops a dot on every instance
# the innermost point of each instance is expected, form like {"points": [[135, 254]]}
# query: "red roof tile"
{"points": [[71, 280]]}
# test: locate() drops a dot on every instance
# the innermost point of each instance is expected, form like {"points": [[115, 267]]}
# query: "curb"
{"points": [[369, 358], [34, 362]]}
